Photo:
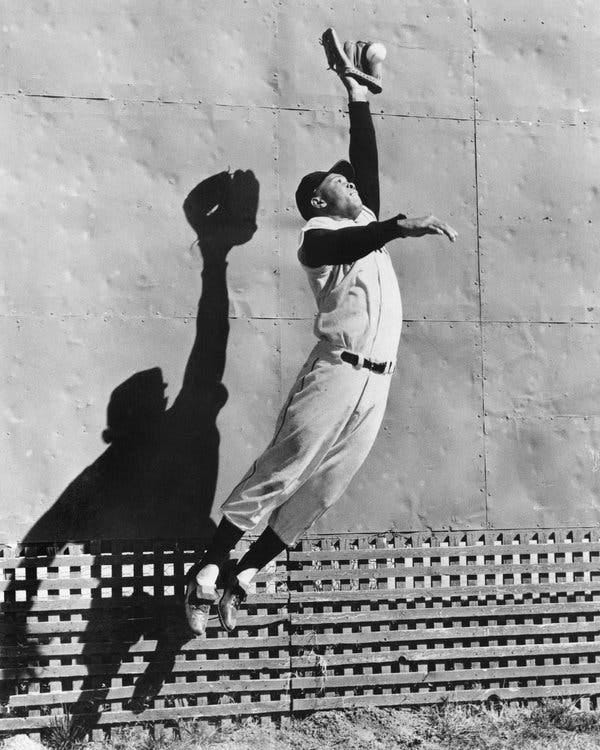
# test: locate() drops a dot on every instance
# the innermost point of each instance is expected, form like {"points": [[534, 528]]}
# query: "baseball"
{"points": [[376, 52]]}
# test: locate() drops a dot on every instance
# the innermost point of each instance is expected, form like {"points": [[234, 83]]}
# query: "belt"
{"points": [[357, 361]]}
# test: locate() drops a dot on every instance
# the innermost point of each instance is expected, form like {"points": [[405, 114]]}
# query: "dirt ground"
{"points": [[448, 729], [550, 726]]}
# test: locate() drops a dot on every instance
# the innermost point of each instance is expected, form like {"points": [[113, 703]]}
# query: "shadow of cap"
{"points": [[135, 405]]}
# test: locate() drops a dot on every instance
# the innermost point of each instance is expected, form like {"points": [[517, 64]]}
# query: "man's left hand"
{"points": [[427, 225]]}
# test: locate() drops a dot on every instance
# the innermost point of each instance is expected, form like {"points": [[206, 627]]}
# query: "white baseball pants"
{"points": [[323, 434]]}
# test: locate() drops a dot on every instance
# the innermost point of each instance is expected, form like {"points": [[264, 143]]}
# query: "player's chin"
{"points": [[356, 206]]}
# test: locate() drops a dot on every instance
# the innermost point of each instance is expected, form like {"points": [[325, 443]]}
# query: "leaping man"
{"points": [[334, 410]]}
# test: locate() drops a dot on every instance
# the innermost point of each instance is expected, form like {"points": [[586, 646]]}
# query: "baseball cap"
{"points": [[310, 182]]}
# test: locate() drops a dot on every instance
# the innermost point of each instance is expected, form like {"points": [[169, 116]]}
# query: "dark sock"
{"points": [[226, 537], [263, 550]]}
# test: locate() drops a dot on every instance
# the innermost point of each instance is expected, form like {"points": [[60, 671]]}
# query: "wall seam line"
{"points": [[479, 283], [277, 5], [293, 318]]}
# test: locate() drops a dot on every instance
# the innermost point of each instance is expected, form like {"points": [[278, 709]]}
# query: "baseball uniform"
{"points": [[334, 410]]}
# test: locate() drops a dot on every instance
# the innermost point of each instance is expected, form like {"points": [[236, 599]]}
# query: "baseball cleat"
{"points": [[359, 60], [198, 601], [229, 605]]}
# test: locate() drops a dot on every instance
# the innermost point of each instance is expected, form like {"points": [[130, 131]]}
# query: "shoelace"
{"points": [[236, 600], [197, 603], [238, 597]]}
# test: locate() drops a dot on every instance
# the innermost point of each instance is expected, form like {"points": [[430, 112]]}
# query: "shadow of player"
{"points": [[157, 478]]}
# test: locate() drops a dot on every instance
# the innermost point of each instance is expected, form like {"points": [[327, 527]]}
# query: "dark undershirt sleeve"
{"points": [[363, 154], [335, 247]]}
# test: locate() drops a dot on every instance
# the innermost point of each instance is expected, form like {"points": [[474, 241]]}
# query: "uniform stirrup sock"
{"points": [[226, 537], [262, 551]]}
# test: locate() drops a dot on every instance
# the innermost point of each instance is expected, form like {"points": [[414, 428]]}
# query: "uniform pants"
{"points": [[323, 434]]}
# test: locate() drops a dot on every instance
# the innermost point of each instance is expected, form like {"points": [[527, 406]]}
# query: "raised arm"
{"points": [[363, 145]]}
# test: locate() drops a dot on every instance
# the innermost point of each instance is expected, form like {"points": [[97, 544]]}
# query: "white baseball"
{"points": [[376, 52]]}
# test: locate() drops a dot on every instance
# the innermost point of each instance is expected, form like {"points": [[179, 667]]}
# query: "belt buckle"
{"points": [[360, 362]]}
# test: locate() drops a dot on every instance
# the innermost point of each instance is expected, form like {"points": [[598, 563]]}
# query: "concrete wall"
{"points": [[112, 112]]}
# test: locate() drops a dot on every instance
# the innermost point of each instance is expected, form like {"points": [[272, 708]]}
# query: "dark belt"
{"points": [[378, 367]]}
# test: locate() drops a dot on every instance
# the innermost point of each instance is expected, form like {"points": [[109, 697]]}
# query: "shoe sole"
{"points": [[196, 632], [222, 621], [210, 600]]}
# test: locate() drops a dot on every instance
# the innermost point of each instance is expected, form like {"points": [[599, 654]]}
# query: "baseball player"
{"points": [[333, 413]]}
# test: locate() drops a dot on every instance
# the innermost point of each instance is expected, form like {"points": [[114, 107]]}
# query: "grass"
{"points": [[65, 733], [552, 725]]}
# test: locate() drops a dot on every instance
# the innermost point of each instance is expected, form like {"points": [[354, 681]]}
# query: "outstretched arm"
{"points": [[334, 247], [363, 145]]}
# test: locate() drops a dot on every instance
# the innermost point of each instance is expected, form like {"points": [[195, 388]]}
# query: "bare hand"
{"points": [[427, 225]]}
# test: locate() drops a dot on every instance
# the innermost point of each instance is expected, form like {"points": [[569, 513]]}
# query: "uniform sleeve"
{"points": [[363, 154], [335, 247]]}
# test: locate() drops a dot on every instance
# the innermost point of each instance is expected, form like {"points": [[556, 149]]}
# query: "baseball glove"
{"points": [[353, 59]]}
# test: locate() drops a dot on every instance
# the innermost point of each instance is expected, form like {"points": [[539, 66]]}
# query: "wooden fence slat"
{"points": [[434, 571], [128, 558], [94, 582], [449, 613], [444, 677], [102, 627], [149, 646], [105, 558], [451, 592], [479, 633], [442, 656], [224, 666], [108, 718], [120, 693], [401, 553], [74, 603], [322, 703]]}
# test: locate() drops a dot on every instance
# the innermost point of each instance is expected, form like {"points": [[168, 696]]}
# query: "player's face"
{"points": [[341, 196]]}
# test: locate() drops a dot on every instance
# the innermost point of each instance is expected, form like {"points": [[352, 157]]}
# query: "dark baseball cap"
{"points": [[309, 184]]}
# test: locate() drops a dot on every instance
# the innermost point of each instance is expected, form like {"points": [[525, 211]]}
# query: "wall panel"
{"points": [[537, 62], [541, 400], [99, 187], [539, 221], [543, 472], [542, 370], [181, 51]]}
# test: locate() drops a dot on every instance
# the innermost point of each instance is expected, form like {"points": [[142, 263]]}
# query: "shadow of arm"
{"points": [[222, 210]]}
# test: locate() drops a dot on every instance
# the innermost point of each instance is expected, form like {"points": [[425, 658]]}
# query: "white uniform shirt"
{"points": [[359, 304]]}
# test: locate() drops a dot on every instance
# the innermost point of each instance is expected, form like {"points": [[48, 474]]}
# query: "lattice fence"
{"points": [[98, 630], [392, 619], [412, 619]]}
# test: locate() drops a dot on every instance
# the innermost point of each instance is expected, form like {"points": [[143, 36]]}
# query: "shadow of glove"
{"points": [[222, 209]]}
